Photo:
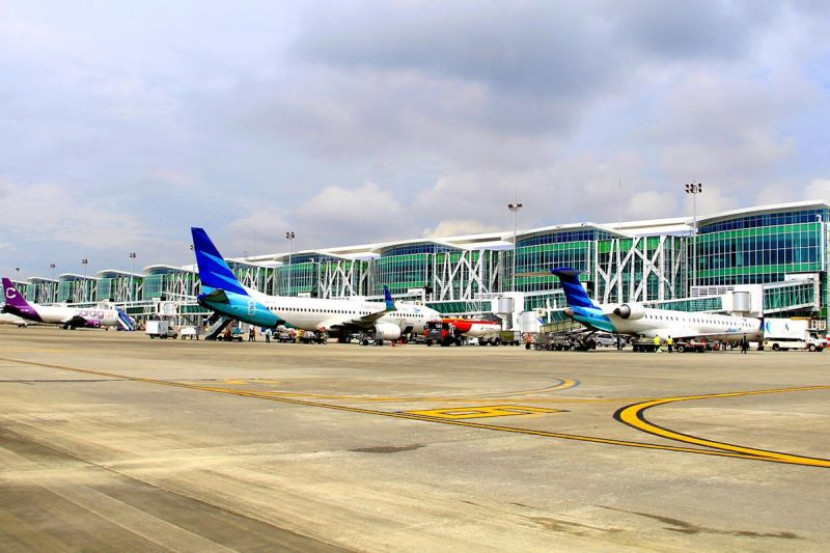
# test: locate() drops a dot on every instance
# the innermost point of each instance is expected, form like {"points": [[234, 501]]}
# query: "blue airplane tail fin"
{"points": [[575, 293], [390, 304], [214, 271]]}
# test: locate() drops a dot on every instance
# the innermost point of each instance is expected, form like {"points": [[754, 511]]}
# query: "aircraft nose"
{"points": [[569, 312]]}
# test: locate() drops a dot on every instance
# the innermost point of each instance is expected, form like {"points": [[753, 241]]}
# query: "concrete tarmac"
{"points": [[111, 441]]}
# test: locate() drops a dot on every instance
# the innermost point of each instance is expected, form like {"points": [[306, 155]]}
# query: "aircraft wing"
{"points": [[365, 322], [77, 320]]}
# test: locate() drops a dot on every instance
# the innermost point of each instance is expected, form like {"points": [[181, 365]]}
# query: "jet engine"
{"points": [[631, 311], [387, 331]]}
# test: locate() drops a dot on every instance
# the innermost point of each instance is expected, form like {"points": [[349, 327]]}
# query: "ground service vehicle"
{"points": [[565, 341], [791, 334], [442, 333], [455, 331], [159, 329], [644, 345], [190, 332], [231, 335], [694, 345], [311, 337], [510, 337]]}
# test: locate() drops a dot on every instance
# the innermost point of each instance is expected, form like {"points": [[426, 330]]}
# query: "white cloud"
{"points": [[336, 216], [263, 231], [46, 212], [134, 126], [649, 205], [457, 228], [818, 189]]}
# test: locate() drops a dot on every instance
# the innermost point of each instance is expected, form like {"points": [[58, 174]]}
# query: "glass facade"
{"points": [[767, 220], [410, 249], [106, 289], [767, 247], [301, 278], [760, 254], [789, 298], [153, 287], [402, 272], [534, 263]]}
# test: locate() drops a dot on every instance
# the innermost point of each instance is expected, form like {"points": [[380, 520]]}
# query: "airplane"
{"points": [[67, 317], [226, 296], [636, 320], [451, 329]]}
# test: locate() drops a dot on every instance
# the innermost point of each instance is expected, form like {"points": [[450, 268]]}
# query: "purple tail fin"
{"points": [[16, 303]]}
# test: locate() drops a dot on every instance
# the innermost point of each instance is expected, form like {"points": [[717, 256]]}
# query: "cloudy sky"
{"points": [[122, 124]]}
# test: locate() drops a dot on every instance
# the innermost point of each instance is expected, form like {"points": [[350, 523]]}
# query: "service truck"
{"points": [[159, 329], [791, 334]]}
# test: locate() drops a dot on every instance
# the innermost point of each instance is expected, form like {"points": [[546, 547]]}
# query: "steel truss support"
{"points": [[463, 279], [638, 264], [343, 278], [180, 286]]}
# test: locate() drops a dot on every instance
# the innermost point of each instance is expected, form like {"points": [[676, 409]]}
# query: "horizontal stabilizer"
{"points": [[216, 296]]}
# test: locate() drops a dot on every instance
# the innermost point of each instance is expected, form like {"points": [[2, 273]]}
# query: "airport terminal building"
{"points": [[676, 263]]}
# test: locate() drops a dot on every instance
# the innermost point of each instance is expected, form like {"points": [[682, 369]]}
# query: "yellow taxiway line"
{"points": [[718, 452], [633, 415]]}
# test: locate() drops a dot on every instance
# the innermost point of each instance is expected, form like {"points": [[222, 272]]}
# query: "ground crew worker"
{"points": [[669, 343], [657, 345]]}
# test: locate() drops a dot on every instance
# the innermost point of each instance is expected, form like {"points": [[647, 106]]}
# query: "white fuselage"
{"points": [[94, 316], [660, 322], [484, 330], [324, 314]]}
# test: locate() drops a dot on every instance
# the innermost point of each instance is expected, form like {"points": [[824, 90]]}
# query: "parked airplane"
{"points": [[475, 328], [637, 320], [225, 295], [452, 330], [67, 317]]}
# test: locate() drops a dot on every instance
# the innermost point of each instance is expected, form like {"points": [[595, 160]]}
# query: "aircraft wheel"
{"points": [[776, 347]]}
